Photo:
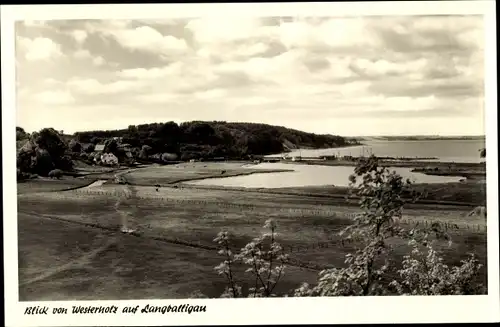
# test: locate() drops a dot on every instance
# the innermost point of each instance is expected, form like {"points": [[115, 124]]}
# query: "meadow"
{"points": [[71, 247], [183, 172]]}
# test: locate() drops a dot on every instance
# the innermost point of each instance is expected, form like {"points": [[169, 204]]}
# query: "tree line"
{"points": [[48, 149], [203, 140]]}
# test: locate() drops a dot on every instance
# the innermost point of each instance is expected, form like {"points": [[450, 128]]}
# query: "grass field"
{"points": [[48, 184], [171, 174], [70, 246], [82, 263], [473, 192]]}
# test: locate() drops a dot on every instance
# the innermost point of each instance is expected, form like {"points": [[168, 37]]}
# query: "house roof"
{"points": [[99, 147]]}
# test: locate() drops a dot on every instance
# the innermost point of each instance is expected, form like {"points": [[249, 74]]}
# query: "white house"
{"points": [[109, 159]]}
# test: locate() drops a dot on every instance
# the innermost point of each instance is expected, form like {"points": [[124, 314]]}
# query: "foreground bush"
{"points": [[366, 270], [263, 256], [424, 273]]}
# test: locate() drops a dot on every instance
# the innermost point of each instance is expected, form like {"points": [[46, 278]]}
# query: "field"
{"points": [[172, 174], [468, 194], [51, 185], [70, 245]]}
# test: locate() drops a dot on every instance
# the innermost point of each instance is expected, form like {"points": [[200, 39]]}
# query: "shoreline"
{"points": [[389, 163], [462, 193], [470, 171], [264, 171]]}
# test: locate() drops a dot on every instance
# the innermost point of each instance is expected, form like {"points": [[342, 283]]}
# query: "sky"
{"points": [[387, 75]]}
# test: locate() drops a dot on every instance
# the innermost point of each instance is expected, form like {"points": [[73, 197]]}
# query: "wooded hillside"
{"points": [[214, 139]]}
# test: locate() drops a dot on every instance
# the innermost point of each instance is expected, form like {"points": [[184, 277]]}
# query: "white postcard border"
{"points": [[416, 309]]}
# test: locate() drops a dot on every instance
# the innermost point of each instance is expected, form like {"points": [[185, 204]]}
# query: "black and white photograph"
{"points": [[183, 160]]}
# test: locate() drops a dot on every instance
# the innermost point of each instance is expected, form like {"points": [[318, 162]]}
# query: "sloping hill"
{"points": [[215, 139]]}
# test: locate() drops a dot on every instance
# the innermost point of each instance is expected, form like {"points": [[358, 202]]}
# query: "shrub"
{"points": [[65, 163], [145, 151], [111, 146], [43, 152], [424, 273], [23, 159], [56, 173], [21, 134], [120, 180], [42, 162], [265, 258], [169, 156], [89, 148], [50, 140], [75, 146], [22, 176]]}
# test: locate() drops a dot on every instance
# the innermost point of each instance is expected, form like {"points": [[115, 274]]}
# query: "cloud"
{"points": [[98, 61], [210, 94], [159, 98], [442, 87], [340, 33], [153, 73], [226, 39], [300, 71], [34, 23], [82, 54], [145, 38], [54, 98], [249, 50], [51, 82], [381, 68], [92, 86], [178, 77], [213, 30], [452, 34], [40, 48], [79, 35]]}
